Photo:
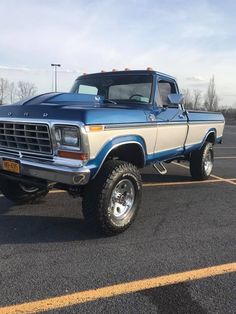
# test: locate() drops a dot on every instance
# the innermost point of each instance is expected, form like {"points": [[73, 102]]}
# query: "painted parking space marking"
{"points": [[118, 289], [51, 192], [57, 191], [230, 181], [227, 147], [153, 184], [225, 180], [225, 157], [185, 182]]}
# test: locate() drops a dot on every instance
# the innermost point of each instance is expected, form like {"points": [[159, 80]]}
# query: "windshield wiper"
{"points": [[106, 100]]}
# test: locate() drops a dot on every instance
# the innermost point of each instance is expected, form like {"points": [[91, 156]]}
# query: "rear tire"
{"points": [[111, 201], [21, 193], [201, 162]]}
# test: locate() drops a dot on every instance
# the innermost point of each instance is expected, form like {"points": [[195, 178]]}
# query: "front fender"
{"points": [[95, 164]]}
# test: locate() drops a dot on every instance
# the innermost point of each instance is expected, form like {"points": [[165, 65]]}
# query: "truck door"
{"points": [[171, 122]]}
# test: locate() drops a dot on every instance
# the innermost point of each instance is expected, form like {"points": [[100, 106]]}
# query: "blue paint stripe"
{"points": [[164, 155]]}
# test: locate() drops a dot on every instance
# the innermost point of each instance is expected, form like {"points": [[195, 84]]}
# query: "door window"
{"points": [[164, 89]]}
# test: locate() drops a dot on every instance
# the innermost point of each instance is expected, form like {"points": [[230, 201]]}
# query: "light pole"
{"points": [[55, 66]]}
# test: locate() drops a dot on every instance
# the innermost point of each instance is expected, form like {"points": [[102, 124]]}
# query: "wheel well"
{"points": [[131, 152], [211, 138]]}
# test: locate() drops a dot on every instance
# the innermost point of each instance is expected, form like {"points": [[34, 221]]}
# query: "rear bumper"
{"points": [[59, 171]]}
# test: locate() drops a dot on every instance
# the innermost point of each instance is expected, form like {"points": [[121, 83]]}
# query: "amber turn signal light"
{"points": [[72, 155], [95, 128]]}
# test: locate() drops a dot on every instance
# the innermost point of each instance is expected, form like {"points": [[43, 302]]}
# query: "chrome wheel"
{"points": [[122, 200], [208, 163]]}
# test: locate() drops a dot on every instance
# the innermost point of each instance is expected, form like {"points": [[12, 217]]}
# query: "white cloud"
{"points": [[195, 79], [10, 68], [189, 40]]}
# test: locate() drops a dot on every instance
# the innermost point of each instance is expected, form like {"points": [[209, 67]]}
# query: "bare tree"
{"points": [[25, 89], [188, 100], [211, 99], [197, 95], [12, 92], [4, 85]]}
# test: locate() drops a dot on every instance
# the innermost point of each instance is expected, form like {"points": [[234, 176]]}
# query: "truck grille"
{"points": [[25, 137]]}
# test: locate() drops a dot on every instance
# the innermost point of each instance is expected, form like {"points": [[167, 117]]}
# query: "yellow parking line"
{"points": [[51, 192], [147, 184], [152, 184], [212, 175], [226, 147], [57, 191], [226, 157], [115, 290], [226, 180], [180, 165], [179, 183]]}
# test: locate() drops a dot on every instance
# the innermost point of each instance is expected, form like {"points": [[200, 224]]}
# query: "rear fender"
{"points": [[210, 133]]}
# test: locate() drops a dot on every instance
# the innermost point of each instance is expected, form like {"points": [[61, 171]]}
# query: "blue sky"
{"points": [[191, 40]]}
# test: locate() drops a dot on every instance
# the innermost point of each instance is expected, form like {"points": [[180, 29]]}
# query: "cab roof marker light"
{"points": [[127, 69], [114, 70], [102, 71], [149, 69]]}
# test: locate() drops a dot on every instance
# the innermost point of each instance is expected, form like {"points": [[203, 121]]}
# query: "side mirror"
{"points": [[175, 99]]}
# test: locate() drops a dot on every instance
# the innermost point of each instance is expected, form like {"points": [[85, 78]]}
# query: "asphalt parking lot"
{"points": [[46, 251]]}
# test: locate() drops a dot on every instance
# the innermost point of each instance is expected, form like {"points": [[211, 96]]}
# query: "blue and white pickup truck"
{"points": [[92, 141]]}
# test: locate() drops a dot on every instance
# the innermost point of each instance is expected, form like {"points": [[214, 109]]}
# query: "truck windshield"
{"points": [[117, 88]]}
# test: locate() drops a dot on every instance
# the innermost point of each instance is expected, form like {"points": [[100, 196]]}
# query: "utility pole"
{"points": [[55, 66]]}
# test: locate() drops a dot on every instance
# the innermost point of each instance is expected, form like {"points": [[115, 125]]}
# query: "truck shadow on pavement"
{"points": [[58, 218], [155, 178], [19, 226], [37, 229]]}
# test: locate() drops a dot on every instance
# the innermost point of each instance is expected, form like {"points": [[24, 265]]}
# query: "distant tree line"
{"points": [[229, 114], [11, 92], [196, 100], [209, 101]]}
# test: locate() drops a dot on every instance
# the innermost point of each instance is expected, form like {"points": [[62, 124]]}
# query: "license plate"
{"points": [[11, 166]]}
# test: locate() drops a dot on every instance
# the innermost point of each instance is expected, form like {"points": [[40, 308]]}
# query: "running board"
{"points": [[160, 168]]}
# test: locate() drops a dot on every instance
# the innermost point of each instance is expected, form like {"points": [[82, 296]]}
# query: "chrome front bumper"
{"points": [[58, 170]]}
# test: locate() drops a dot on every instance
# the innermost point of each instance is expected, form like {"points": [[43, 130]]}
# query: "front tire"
{"points": [[111, 201], [21, 193], [201, 162]]}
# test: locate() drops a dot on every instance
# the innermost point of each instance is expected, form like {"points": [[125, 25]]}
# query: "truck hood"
{"points": [[88, 109]]}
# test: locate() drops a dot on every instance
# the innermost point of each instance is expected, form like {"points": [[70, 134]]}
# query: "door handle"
{"points": [[181, 116]]}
